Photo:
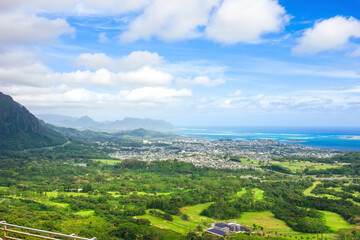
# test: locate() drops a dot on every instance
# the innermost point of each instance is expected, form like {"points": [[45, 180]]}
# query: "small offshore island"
{"points": [[351, 137], [143, 184], [180, 120]]}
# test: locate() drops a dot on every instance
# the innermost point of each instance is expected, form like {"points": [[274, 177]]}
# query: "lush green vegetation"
{"points": [[73, 189], [20, 130]]}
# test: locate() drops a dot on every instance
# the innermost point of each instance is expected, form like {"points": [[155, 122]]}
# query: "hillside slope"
{"points": [[19, 129]]}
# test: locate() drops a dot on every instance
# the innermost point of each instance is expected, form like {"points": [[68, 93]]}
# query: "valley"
{"points": [[142, 184]]}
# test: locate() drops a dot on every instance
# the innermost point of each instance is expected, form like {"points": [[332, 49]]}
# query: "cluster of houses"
{"points": [[221, 229]]}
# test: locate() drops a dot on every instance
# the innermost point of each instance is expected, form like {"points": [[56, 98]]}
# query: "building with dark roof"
{"points": [[221, 229], [216, 232]]}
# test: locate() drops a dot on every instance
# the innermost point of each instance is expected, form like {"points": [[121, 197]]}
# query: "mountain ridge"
{"points": [[86, 123], [20, 129]]}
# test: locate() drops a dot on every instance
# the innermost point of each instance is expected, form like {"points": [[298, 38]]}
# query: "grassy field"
{"points": [[252, 162], [307, 191], [108, 161], [335, 222], [297, 166], [177, 225], [258, 193], [55, 204], [85, 213], [243, 191], [264, 219], [273, 225], [194, 212], [55, 194]]}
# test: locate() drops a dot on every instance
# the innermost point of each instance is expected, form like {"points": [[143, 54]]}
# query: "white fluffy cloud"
{"points": [[64, 96], [301, 102], [101, 77], [170, 20], [200, 80], [228, 21], [131, 62], [77, 7], [246, 20], [149, 94], [19, 28], [145, 77], [333, 33], [23, 68]]}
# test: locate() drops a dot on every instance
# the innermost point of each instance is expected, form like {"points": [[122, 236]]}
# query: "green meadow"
{"points": [[85, 213], [299, 166], [56, 194], [335, 222], [108, 161], [240, 193]]}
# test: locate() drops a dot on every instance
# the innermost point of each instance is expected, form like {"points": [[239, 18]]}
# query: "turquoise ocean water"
{"points": [[345, 139]]}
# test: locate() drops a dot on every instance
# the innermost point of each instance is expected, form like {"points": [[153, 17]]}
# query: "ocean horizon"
{"points": [[336, 138]]}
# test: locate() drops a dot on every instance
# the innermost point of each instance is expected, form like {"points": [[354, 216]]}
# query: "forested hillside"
{"points": [[19, 129]]}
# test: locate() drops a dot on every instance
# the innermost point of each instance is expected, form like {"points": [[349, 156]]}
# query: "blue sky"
{"points": [[191, 62]]}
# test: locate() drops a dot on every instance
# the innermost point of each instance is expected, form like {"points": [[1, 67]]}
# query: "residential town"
{"points": [[213, 154]]}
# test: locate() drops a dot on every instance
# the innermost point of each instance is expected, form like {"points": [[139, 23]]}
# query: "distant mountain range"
{"points": [[86, 123], [19, 129], [123, 136]]}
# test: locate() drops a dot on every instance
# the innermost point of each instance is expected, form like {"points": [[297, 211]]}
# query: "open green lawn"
{"points": [[177, 225], [114, 193], [264, 219], [299, 166], [145, 193], [108, 161], [243, 191], [55, 194], [45, 201], [247, 161], [335, 222], [194, 212], [50, 203], [258, 193], [272, 224], [85, 213], [307, 191]]}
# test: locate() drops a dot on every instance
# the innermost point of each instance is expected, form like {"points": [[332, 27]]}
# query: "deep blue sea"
{"points": [[336, 138]]}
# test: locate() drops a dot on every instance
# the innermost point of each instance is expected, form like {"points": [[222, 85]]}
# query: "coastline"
{"points": [[336, 139]]}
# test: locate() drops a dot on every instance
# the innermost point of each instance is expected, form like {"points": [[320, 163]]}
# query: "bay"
{"points": [[337, 138]]}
